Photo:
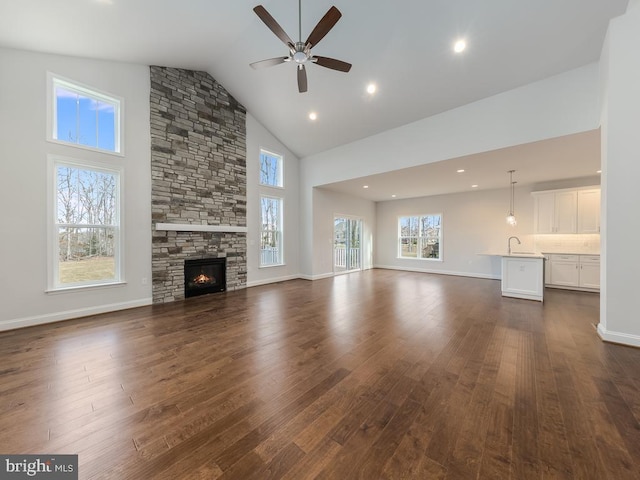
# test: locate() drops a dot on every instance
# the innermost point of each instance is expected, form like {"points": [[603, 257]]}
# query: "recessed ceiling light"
{"points": [[459, 46], [460, 170], [365, 186], [599, 171], [474, 186], [393, 196], [313, 116], [371, 88]]}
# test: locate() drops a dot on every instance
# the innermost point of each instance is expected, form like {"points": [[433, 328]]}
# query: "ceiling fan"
{"points": [[300, 52]]}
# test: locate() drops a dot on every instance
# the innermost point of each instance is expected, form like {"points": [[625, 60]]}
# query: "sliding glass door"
{"points": [[347, 244]]}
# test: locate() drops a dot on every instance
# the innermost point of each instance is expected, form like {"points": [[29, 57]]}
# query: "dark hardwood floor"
{"points": [[373, 375]]}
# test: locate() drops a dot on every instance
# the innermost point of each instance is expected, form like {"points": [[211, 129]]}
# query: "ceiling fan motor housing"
{"points": [[300, 55]]}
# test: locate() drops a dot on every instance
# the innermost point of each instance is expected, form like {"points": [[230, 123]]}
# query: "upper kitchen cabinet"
{"points": [[567, 211], [589, 211], [544, 212]]}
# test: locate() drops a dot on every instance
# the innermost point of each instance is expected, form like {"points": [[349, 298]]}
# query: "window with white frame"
{"points": [[83, 117], [271, 169], [86, 229], [420, 236], [271, 231]]}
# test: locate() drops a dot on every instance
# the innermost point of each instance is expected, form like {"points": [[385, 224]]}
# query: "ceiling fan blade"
{"points": [[324, 25], [270, 62], [332, 63], [302, 79], [270, 22]]}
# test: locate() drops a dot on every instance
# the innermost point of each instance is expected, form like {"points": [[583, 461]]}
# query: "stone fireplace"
{"points": [[198, 168]]}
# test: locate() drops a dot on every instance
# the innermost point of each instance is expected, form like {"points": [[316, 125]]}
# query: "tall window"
{"points": [[86, 246], [420, 237], [271, 169], [84, 117], [271, 231]]}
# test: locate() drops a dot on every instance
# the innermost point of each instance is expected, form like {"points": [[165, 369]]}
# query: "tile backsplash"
{"points": [[570, 243]]}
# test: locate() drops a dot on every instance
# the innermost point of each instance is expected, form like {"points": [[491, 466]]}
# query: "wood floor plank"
{"points": [[498, 449], [377, 374], [464, 459], [288, 411], [314, 461], [554, 454]]}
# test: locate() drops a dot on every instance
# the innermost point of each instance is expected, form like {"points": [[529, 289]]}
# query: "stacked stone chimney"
{"points": [[198, 168]]}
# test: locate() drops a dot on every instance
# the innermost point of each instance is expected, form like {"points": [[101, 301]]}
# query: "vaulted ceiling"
{"points": [[404, 47]]}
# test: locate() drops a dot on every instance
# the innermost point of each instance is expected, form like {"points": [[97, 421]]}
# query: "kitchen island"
{"points": [[522, 275]]}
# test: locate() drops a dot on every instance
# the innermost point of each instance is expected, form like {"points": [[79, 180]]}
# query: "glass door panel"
{"points": [[347, 250]]}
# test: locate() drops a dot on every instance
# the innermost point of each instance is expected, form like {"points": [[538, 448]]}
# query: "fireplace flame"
{"points": [[201, 279]]}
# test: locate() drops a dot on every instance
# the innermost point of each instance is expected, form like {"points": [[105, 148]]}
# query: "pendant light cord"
{"points": [[511, 218], [512, 199]]}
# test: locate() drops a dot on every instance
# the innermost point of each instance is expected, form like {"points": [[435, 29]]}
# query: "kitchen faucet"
{"points": [[509, 243]]}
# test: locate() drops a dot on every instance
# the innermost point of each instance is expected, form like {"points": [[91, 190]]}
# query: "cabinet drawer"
{"points": [[589, 258], [555, 257]]}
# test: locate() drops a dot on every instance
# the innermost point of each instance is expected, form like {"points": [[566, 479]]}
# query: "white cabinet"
{"points": [[565, 270], [555, 212], [544, 212], [567, 211], [580, 272], [590, 271], [589, 211], [523, 278], [547, 269]]}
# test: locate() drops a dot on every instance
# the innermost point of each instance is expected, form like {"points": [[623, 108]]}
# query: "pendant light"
{"points": [[511, 218]]}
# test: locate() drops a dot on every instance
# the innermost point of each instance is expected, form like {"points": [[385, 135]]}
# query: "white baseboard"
{"points": [[317, 277], [618, 337], [69, 314], [272, 280], [440, 272]]}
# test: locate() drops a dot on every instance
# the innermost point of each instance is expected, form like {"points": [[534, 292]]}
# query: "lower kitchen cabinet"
{"points": [[522, 277], [564, 270], [590, 271], [578, 272]]}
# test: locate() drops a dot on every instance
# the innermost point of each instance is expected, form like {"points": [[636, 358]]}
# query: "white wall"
{"points": [[326, 206], [560, 105], [554, 107], [619, 319], [475, 223], [259, 137], [472, 223], [23, 187]]}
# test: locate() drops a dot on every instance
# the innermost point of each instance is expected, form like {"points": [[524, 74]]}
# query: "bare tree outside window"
{"points": [[87, 224], [420, 236], [271, 231], [270, 169]]}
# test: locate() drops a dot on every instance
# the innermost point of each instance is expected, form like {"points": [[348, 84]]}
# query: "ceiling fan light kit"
{"points": [[300, 52]]}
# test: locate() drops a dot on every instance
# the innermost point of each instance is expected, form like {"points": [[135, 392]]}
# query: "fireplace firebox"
{"points": [[204, 275]]}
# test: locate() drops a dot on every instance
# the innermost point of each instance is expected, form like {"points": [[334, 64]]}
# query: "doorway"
{"points": [[347, 244]]}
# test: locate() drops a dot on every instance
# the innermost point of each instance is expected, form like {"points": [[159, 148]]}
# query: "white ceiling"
{"points": [[568, 157], [405, 47]]}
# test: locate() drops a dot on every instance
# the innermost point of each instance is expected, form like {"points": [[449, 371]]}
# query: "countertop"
{"points": [[514, 254], [571, 253]]}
